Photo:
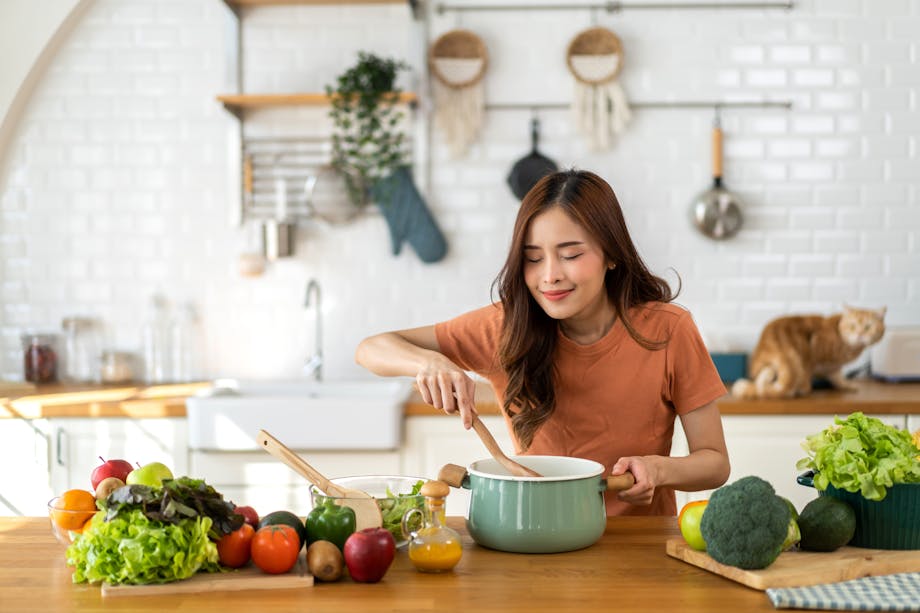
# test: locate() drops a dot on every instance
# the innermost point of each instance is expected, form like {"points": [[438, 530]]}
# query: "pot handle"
{"points": [[455, 476], [618, 483], [807, 479]]}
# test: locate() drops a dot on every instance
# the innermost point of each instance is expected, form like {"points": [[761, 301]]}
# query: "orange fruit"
{"points": [[73, 508]]}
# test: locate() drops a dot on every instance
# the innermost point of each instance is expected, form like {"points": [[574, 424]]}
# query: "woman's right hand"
{"points": [[442, 384], [446, 386]]}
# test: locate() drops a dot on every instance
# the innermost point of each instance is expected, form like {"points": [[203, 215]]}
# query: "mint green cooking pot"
{"points": [[561, 511]]}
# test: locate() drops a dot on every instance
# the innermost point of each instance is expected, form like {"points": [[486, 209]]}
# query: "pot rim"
{"points": [[535, 462]]}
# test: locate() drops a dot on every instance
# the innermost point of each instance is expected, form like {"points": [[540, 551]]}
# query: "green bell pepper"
{"points": [[330, 522]]}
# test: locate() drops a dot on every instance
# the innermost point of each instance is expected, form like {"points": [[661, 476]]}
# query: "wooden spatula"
{"points": [[518, 470], [367, 513]]}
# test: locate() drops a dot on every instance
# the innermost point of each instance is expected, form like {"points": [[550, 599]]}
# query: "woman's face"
{"points": [[564, 267]]}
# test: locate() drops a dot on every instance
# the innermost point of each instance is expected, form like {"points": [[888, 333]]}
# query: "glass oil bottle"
{"points": [[434, 548]]}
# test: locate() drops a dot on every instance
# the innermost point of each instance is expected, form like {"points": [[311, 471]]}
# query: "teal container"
{"points": [[890, 523], [731, 366], [561, 511]]}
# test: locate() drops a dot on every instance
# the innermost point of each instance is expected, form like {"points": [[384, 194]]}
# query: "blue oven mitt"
{"points": [[408, 217]]}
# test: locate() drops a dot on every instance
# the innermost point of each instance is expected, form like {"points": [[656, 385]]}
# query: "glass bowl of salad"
{"points": [[394, 494]]}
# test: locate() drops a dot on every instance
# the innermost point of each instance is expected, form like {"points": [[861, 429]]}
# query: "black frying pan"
{"points": [[532, 167]]}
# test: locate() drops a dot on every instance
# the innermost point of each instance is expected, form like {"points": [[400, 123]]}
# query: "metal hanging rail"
{"points": [[677, 104], [613, 7]]}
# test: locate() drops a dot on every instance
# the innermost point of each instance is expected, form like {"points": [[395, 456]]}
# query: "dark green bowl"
{"points": [[891, 523]]}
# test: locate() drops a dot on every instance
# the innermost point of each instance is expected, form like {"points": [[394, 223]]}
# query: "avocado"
{"points": [[826, 524]]}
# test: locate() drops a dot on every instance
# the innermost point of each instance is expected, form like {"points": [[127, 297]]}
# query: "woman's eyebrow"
{"points": [[558, 246]]}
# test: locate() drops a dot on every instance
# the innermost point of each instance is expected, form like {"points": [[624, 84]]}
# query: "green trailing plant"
{"points": [[367, 142]]}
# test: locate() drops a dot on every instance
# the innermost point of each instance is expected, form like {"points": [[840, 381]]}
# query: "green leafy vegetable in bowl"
{"points": [[394, 506], [861, 454]]}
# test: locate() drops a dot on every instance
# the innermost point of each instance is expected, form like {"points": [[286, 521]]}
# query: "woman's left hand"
{"points": [[645, 474]]}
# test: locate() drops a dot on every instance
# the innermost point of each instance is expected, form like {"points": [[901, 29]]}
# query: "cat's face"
{"points": [[861, 327]]}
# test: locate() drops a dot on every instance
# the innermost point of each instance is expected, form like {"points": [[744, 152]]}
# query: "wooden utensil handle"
{"points": [[497, 453], [618, 483], [247, 176], [717, 152], [298, 464]]}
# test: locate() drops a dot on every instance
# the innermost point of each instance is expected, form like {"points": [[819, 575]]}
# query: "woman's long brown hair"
{"points": [[528, 337]]}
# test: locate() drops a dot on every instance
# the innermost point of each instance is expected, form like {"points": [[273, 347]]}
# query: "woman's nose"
{"points": [[552, 272]]}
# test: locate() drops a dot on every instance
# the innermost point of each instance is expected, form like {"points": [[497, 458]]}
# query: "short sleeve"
{"points": [[471, 340], [693, 380]]}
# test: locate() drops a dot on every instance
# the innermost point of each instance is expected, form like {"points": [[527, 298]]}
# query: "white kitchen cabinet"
{"points": [[55, 455], [259, 480], [769, 447], [25, 453], [78, 443], [432, 442]]}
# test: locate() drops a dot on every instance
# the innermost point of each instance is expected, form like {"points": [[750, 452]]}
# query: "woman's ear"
{"points": [[611, 265]]}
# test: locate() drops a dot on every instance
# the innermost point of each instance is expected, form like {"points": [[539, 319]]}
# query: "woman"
{"points": [[586, 354]]}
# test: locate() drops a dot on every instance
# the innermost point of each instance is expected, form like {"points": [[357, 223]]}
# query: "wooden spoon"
{"points": [[518, 470], [367, 513]]}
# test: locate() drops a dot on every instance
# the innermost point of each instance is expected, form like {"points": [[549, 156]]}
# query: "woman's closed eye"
{"points": [[571, 256]]}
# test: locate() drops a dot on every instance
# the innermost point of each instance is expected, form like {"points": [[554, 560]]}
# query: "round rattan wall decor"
{"points": [[595, 59], [458, 60]]}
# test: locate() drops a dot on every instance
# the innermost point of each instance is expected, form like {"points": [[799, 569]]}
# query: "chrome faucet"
{"points": [[314, 365]]}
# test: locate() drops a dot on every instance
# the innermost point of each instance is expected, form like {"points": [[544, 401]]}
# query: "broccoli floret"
{"points": [[745, 524]]}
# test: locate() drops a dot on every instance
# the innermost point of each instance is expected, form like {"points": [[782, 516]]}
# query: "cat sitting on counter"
{"points": [[792, 350]]}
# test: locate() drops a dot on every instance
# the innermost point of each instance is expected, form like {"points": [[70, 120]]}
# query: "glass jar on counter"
{"points": [[81, 350], [116, 367], [40, 356]]}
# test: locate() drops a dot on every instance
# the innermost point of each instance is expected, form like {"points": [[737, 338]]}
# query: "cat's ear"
{"points": [[881, 312], [846, 308]]}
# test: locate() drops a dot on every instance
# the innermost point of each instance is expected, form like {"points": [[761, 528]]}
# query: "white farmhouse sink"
{"points": [[301, 414]]}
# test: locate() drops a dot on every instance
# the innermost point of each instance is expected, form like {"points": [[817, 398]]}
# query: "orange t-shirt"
{"points": [[614, 398]]}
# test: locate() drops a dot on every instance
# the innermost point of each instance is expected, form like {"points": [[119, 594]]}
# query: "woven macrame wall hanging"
{"points": [[595, 59], [458, 61]]}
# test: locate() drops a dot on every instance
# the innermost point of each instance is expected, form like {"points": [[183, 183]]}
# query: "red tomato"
{"points": [[275, 548], [234, 548]]}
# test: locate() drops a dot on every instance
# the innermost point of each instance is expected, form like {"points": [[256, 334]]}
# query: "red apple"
{"points": [[110, 468], [249, 514], [369, 553]]}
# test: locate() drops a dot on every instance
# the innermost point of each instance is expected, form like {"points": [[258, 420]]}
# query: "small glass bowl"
{"points": [[392, 508], [66, 524]]}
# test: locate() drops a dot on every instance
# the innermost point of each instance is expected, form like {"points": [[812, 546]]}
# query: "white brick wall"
{"points": [[118, 182]]}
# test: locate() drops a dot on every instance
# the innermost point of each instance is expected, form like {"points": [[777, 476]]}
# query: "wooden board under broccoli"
{"points": [[801, 568]]}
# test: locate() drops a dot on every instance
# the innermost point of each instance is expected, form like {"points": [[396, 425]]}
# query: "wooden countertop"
{"points": [[132, 400], [141, 401], [872, 397], [627, 570]]}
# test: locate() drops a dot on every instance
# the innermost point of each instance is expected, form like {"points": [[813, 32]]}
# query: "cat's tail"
{"points": [[770, 382]]}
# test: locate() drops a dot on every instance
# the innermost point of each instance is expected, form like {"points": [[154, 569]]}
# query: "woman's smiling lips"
{"points": [[557, 294]]}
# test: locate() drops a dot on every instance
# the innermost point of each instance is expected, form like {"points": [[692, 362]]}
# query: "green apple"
{"points": [[149, 474], [689, 521]]}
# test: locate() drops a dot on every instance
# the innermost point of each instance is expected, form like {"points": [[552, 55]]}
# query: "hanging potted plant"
{"points": [[369, 149]]}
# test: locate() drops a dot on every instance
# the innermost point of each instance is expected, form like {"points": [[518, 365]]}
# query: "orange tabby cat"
{"points": [[792, 350]]}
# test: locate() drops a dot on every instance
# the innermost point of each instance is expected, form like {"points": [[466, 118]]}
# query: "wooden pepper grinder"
{"points": [[434, 548]]}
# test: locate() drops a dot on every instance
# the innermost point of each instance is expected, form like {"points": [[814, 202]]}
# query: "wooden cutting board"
{"points": [[246, 578], [799, 568]]}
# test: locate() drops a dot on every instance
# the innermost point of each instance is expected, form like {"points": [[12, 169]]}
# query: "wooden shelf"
{"points": [[238, 3], [237, 103]]}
